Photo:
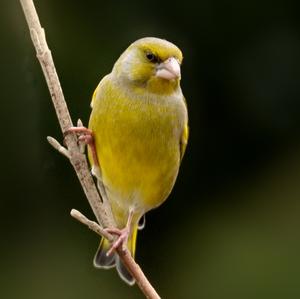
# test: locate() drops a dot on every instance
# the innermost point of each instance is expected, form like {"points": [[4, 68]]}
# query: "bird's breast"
{"points": [[137, 144]]}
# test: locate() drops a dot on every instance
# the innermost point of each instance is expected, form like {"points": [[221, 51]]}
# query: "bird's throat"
{"points": [[162, 86]]}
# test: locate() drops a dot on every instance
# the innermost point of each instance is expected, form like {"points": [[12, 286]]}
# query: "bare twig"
{"points": [[124, 254], [74, 152], [58, 147], [78, 160], [92, 225]]}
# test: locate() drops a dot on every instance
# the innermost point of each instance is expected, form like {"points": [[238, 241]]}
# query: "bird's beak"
{"points": [[168, 69]]}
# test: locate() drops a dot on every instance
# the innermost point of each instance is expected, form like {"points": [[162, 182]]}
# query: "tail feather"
{"points": [[142, 222], [123, 272], [101, 260]]}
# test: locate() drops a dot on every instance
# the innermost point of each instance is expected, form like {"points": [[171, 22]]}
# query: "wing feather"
{"points": [[184, 136], [184, 140]]}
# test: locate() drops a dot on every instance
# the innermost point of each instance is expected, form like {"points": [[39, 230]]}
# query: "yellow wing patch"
{"points": [[93, 97], [184, 140], [99, 88]]}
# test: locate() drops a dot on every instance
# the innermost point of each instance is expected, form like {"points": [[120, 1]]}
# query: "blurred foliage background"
{"points": [[230, 228]]}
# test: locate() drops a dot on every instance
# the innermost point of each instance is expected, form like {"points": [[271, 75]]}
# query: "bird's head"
{"points": [[152, 64]]}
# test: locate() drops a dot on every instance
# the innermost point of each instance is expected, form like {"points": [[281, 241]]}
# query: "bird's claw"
{"points": [[85, 136], [121, 241], [81, 131]]}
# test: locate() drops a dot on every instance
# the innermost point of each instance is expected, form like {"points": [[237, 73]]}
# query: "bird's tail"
{"points": [[101, 260]]}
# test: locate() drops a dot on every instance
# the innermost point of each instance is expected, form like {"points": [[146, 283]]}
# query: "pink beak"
{"points": [[168, 69]]}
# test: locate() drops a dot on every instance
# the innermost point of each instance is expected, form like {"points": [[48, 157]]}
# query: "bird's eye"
{"points": [[151, 57]]}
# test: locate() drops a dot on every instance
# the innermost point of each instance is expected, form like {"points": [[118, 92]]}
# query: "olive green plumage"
{"points": [[139, 121]]}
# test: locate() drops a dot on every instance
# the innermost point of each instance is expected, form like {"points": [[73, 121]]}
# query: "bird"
{"points": [[137, 132]]}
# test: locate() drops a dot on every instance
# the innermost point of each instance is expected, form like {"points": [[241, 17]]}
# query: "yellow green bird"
{"points": [[139, 123]]}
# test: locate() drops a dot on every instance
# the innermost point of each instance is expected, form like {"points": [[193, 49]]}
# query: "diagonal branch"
{"points": [[74, 153], [77, 159], [134, 268]]}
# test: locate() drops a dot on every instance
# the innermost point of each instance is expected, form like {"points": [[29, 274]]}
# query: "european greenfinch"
{"points": [[139, 124]]}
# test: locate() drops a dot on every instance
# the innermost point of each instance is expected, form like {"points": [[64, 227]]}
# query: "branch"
{"points": [[124, 254], [74, 152], [77, 159]]}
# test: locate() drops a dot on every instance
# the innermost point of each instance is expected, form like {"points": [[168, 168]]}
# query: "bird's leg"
{"points": [[87, 137], [122, 234]]}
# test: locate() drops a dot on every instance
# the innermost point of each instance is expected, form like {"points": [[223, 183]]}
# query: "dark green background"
{"points": [[230, 228]]}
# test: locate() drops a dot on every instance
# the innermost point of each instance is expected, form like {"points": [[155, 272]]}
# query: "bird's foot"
{"points": [[123, 235], [121, 241], [85, 136]]}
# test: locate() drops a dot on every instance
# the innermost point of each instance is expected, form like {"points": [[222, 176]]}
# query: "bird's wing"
{"points": [[94, 96], [184, 140], [184, 136], [98, 88]]}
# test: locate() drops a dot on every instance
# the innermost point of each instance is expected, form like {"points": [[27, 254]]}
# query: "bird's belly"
{"points": [[139, 172], [138, 149]]}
